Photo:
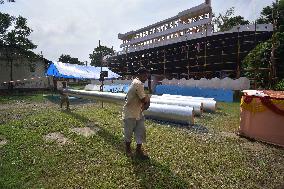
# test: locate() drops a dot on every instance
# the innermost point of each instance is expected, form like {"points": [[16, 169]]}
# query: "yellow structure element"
{"points": [[256, 106]]}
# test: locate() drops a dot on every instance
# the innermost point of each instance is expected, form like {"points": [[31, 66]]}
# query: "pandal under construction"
{"points": [[186, 46]]}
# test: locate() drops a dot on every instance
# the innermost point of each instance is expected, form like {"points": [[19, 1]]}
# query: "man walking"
{"points": [[64, 98], [136, 102]]}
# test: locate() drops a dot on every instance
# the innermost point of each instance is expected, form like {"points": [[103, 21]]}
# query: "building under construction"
{"points": [[186, 46]]}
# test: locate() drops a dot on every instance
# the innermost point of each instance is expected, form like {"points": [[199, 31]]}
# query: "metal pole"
{"points": [[205, 48], [102, 82], [127, 69], [256, 69], [187, 48], [238, 56], [273, 75], [164, 62], [150, 75]]}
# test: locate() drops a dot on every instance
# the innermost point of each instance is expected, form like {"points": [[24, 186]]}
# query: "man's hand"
{"points": [[146, 103]]}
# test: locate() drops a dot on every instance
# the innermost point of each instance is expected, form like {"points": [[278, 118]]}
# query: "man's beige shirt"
{"points": [[133, 105]]}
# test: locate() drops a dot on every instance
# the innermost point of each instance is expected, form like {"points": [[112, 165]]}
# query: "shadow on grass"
{"points": [[55, 98], [196, 128], [151, 174]]}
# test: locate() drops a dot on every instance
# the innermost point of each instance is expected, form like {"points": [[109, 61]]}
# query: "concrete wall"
{"points": [[24, 75]]}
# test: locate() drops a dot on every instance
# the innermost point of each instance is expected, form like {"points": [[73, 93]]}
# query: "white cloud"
{"points": [[75, 27]]}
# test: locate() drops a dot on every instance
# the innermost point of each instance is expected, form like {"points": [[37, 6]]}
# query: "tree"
{"points": [[9, 1], [14, 41], [99, 54], [68, 59], [233, 21], [281, 10], [259, 59], [256, 62], [266, 15], [269, 54], [228, 21], [269, 13], [281, 15]]}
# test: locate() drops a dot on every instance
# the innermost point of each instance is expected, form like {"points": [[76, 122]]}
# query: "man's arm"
{"points": [[143, 97], [141, 93], [146, 102]]}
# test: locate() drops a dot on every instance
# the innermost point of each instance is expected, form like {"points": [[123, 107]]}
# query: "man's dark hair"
{"points": [[64, 84], [141, 70]]}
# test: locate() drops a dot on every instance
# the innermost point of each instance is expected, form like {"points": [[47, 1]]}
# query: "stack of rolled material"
{"points": [[117, 98], [197, 105], [174, 113], [164, 109], [209, 104]]}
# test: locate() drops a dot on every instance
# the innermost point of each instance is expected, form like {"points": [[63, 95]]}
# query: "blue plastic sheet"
{"points": [[74, 71], [224, 95]]}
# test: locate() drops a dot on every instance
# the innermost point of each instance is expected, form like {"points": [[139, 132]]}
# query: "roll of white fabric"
{"points": [[174, 113], [117, 98], [180, 96], [209, 104], [91, 87], [197, 106]]}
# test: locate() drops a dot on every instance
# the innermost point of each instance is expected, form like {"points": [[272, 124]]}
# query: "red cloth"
{"points": [[248, 99], [266, 125], [268, 103]]}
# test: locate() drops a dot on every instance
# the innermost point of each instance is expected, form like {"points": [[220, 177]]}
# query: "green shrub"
{"points": [[259, 58], [279, 86]]}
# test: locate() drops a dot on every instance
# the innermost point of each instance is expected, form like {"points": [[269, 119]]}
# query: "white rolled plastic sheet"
{"points": [[197, 106], [209, 104], [169, 112], [118, 98], [174, 113], [181, 96]]}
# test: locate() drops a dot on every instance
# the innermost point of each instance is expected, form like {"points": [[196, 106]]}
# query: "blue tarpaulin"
{"points": [[74, 71], [223, 95]]}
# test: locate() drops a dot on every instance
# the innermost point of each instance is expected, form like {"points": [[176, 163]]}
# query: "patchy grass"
{"points": [[226, 118], [21, 98], [200, 156], [77, 86]]}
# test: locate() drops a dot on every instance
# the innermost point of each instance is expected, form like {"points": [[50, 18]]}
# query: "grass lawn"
{"points": [[207, 155]]}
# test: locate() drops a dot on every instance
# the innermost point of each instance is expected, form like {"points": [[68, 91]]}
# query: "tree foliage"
{"points": [[68, 59], [255, 61], [269, 13], [99, 54], [279, 86], [14, 33], [266, 15], [227, 21], [14, 41], [8, 1], [260, 56], [281, 15]]}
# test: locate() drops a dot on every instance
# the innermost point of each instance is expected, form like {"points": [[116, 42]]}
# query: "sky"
{"points": [[75, 27]]}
